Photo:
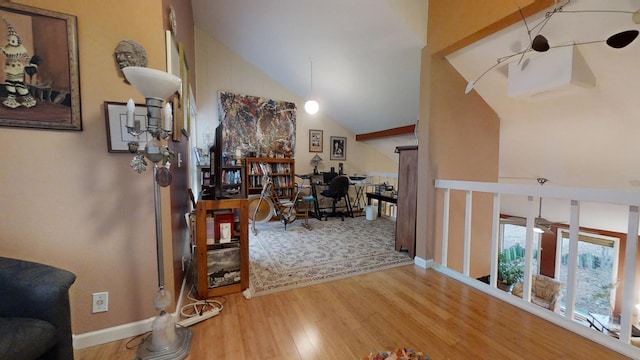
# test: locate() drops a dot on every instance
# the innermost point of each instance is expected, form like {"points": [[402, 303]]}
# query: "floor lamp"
{"points": [[166, 340]]}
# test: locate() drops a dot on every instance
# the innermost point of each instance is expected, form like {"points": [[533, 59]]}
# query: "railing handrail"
{"points": [[576, 196], [559, 192]]}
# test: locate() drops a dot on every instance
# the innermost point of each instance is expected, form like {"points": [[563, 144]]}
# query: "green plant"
{"points": [[510, 272], [604, 294]]}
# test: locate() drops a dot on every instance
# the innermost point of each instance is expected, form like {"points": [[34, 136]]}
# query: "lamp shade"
{"points": [[152, 83], [316, 158]]}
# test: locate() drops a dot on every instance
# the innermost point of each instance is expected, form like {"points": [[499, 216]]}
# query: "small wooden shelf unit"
{"points": [[237, 210]]}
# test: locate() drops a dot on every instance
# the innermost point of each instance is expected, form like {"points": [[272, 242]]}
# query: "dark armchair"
{"points": [[35, 315]]}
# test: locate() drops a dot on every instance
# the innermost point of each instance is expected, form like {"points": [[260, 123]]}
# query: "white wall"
{"points": [[218, 68]]}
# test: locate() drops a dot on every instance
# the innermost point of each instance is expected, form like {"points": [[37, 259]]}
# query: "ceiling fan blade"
{"points": [[543, 222], [514, 221]]}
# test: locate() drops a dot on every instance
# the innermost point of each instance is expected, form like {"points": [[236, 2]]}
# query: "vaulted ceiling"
{"points": [[366, 70], [365, 54], [586, 138]]}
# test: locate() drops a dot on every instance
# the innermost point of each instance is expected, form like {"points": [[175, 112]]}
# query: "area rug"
{"points": [[331, 250]]}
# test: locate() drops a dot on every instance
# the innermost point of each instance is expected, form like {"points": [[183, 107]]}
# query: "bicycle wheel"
{"points": [[289, 214], [264, 208]]}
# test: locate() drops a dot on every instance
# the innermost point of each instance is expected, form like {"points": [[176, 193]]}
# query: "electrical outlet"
{"points": [[100, 302]]}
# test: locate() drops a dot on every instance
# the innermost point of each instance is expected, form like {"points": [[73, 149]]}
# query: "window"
{"points": [[596, 269], [513, 239]]}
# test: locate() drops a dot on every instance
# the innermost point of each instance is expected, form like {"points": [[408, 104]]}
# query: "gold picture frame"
{"points": [[315, 141], [48, 94]]}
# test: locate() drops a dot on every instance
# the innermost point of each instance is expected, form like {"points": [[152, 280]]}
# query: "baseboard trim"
{"points": [[425, 264], [120, 332], [115, 333]]}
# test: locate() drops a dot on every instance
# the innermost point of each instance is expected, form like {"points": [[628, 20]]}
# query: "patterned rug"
{"points": [[334, 249]]}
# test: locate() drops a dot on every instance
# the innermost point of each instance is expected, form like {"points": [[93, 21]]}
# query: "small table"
{"points": [[604, 324], [359, 185], [386, 196]]}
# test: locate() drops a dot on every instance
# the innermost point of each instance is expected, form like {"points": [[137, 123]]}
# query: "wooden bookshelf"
{"points": [[281, 171]]}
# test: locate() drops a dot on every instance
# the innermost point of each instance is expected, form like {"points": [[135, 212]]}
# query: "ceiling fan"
{"points": [[540, 224]]}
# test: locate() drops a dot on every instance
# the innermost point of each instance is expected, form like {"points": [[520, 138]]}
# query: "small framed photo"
{"points": [[118, 137], [338, 148], [315, 140]]}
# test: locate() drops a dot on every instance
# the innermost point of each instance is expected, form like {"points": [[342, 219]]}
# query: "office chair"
{"points": [[338, 189]]}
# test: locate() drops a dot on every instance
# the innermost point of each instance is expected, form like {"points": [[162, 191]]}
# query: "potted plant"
{"points": [[509, 271], [604, 295]]}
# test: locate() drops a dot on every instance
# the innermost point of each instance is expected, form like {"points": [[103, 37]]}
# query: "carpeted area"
{"points": [[334, 249]]}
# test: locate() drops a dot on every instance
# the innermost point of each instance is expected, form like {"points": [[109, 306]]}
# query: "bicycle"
{"points": [[263, 207]]}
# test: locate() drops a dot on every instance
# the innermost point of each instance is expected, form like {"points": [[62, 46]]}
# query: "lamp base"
{"points": [[177, 351]]}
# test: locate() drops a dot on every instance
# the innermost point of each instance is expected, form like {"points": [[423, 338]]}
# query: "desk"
{"points": [[381, 197]]}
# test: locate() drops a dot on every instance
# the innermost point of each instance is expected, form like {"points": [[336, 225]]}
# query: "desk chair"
{"points": [[338, 190]]}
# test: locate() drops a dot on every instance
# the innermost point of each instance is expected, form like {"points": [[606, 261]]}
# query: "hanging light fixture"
{"points": [[311, 106], [540, 44]]}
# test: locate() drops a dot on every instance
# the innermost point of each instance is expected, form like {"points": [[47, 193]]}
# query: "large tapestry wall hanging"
{"points": [[253, 124]]}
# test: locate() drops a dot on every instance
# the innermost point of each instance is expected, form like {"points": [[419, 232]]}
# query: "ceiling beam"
{"points": [[452, 27], [399, 131]]}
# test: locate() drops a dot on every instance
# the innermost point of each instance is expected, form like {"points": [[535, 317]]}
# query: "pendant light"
{"points": [[311, 106]]}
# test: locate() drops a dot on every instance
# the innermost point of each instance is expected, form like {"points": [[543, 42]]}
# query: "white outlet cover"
{"points": [[100, 302]]}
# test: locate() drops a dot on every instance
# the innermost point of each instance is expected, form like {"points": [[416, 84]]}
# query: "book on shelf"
{"points": [[231, 177], [211, 235], [214, 217], [224, 227]]}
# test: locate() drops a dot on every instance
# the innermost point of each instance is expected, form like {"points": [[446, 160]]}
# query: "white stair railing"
{"points": [[534, 192]]}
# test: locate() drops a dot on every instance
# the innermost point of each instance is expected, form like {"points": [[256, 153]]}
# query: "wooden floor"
{"points": [[347, 319]]}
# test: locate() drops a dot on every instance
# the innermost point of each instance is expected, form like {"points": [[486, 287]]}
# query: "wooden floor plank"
{"points": [[350, 318]]}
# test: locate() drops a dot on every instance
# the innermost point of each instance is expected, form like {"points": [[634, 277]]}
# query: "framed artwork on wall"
{"points": [[184, 94], [173, 56], [315, 141], [253, 123], [118, 137], [338, 148], [43, 67], [177, 118]]}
